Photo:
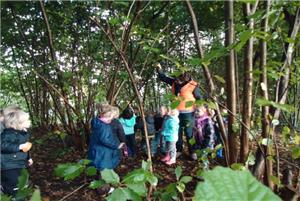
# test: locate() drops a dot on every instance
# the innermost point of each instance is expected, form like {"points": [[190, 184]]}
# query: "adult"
{"points": [[188, 92]]}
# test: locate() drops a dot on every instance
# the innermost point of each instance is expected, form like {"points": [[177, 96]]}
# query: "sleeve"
{"points": [[8, 144], [120, 132], [210, 134], [166, 128], [164, 78], [104, 137], [197, 93]]}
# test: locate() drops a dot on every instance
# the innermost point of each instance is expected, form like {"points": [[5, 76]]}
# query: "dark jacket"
{"points": [[103, 149], [158, 122], [11, 156], [170, 81], [118, 130]]}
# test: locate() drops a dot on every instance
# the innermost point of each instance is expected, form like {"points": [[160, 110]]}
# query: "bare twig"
{"points": [[77, 189]]}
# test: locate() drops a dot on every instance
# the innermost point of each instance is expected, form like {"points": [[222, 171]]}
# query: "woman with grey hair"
{"points": [[14, 149]]}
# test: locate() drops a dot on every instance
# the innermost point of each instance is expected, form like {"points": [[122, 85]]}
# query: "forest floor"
{"points": [[49, 151]]}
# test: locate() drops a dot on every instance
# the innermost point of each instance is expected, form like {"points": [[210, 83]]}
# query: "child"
{"points": [[159, 119], [170, 133], [203, 130], [150, 129], [14, 149], [128, 121], [104, 146], [116, 126]]}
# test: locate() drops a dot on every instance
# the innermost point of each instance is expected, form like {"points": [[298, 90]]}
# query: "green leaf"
{"points": [[180, 187], [237, 166], [175, 104], [36, 196], [123, 194], [23, 179], [296, 152], [275, 180], [146, 165], [245, 35], [138, 188], [96, 184], [220, 79], [135, 176], [178, 172], [226, 184], [189, 103], [68, 171], [251, 159], [4, 197], [84, 161], [110, 177], [91, 171], [186, 179], [151, 179], [192, 141]]}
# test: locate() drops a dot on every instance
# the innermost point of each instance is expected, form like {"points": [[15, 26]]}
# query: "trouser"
{"points": [[186, 122], [171, 149], [9, 181], [131, 144], [158, 140]]}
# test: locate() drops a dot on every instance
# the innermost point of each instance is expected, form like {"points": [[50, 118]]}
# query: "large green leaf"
{"points": [[226, 184], [36, 196], [69, 170], [96, 184], [23, 179], [109, 176], [178, 172], [123, 194], [138, 188]]}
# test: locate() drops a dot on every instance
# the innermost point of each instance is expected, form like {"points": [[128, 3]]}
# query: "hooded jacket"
{"points": [[128, 125], [11, 156], [170, 129], [103, 148]]}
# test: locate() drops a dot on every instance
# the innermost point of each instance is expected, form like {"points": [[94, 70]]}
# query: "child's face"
{"points": [[26, 124], [163, 111], [200, 111]]}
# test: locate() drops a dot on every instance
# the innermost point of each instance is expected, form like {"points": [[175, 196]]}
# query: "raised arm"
{"points": [[163, 77]]}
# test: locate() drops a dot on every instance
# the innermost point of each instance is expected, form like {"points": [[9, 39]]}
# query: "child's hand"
{"points": [[30, 162], [121, 145], [25, 147], [158, 66]]}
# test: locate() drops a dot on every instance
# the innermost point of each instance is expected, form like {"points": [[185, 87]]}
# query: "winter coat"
{"points": [[103, 148], [128, 125], [11, 156], [150, 124], [170, 129], [118, 130], [158, 122], [204, 132]]}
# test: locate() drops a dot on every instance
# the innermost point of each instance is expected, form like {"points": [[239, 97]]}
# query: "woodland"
{"points": [[60, 58]]}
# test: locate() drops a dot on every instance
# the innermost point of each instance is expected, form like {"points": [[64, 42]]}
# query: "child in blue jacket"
{"points": [[128, 120], [170, 133], [104, 147]]}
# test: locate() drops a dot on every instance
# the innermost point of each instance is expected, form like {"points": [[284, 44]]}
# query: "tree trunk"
{"points": [[248, 87], [231, 85]]}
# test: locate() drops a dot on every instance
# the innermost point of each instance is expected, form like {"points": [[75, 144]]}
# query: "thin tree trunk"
{"points": [[231, 85], [248, 87]]}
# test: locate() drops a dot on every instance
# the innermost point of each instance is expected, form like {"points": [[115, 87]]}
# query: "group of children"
{"points": [[111, 134], [15, 147]]}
